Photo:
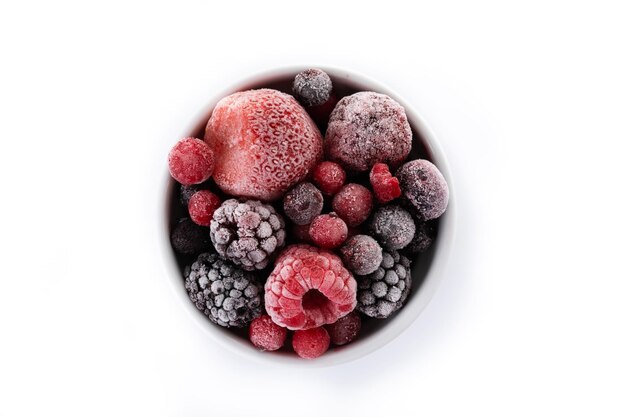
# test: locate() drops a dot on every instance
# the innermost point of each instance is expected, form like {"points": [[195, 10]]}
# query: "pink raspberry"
{"points": [[191, 161], [311, 343], [328, 231], [353, 203], [264, 143], [386, 187], [329, 177], [345, 329], [265, 334], [202, 205], [309, 287]]}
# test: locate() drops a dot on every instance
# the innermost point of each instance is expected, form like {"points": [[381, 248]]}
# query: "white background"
{"points": [[527, 98]]}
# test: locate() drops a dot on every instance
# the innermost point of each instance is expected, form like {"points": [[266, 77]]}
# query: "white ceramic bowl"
{"points": [[427, 273]]}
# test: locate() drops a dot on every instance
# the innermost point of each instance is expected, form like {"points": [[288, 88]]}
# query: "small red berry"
{"points": [[386, 187], [329, 177], [202, 205], [191, 161], [328, 231], [311, 343], [353, 203], [265, 334]]}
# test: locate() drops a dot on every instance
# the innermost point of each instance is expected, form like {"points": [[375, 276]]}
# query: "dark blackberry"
{"points": [[247, 233], [312, 87], [227, 295], [392, 226], [190, 239], [384, 291], [303, 203]]}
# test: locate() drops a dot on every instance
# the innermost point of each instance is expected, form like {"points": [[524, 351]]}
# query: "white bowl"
{"points": [[429, 270]]}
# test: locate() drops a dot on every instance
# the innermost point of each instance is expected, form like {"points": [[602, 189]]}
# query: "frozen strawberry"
{"points": [[264, 143], [309, 287], [386, 187]]}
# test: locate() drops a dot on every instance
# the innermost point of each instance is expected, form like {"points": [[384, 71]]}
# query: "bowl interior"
{"points": [[427, 269]]}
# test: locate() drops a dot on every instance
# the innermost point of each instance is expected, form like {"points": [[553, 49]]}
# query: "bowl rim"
{"points": [[403, 318]]}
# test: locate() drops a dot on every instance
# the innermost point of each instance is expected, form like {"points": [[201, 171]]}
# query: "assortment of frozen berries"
{"points": [[298, 213]]}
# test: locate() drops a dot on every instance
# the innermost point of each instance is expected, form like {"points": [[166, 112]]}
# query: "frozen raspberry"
{"points": [[265, 334], [386, 187], [247, 233], [301, 232], [311, 343], [328, 231], [312, 87], [191, 161], [361, 254], [309, 287], [366, 128], [302, 203], [264, 143], [329, 177], [202, 205], [190, 239], [424, 188], [424, 236], [345, 329], [384, 291], [392, 226], [353, 203]]}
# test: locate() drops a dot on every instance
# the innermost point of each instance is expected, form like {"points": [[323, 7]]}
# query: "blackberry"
{"points": [[312, 87], [247, 233], [190, 239], [384, 291], [392, 226], [227, 295]]}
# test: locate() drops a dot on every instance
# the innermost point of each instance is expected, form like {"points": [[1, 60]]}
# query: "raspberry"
{"points": [[386, 187], [392, 226], [191, 161], [361, 254], [309, 287], [366, 128], [353, 203], [202, 205], [227, 295], [424, 236], [312, 87], [264, 143], [329, 177], [424, 188], [190, 239], [311, 343], [384, 291], [302, 203], [328, 231], [247, 233], [345, 329], [265, 334]]}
